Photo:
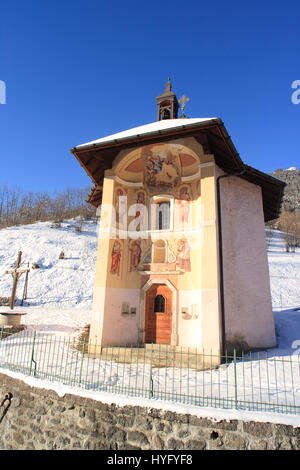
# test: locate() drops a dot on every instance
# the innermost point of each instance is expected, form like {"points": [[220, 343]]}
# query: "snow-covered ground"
{"points": [[60, 292], [284, 271], [59, 302]]}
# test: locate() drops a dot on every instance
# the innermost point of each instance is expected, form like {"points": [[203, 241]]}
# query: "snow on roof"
{"points": [[148, 129]]}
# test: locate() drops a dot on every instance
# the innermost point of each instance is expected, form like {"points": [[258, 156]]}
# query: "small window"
{"points": [[163, 215], [159, 304]]}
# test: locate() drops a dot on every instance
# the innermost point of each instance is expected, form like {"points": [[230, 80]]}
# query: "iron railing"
{"points": [[259, 381]]}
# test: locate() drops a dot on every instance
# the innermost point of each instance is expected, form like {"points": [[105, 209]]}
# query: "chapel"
{"points": [[182, 256]]}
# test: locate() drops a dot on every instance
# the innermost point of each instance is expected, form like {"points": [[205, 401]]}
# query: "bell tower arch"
{"points": [[167, 104]]}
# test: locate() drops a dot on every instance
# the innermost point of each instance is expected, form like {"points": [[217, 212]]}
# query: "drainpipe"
{"points": [[223, 329]]}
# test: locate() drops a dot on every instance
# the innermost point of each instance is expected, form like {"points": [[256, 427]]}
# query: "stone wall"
{"points": [[40, 419]]}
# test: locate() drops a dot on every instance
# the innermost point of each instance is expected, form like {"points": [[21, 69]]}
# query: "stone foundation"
{"points": [[40, 419]]}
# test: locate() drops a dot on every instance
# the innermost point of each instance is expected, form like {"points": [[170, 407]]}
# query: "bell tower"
{"points": [[167, 104]]}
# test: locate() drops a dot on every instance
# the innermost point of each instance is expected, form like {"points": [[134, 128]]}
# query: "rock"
{"points": [[258, 444], [175, 444], [234, 441], [158, 443], [4, 301], [143, 422], [137, 436], [195, 444], [258, 429], [18, 438]]}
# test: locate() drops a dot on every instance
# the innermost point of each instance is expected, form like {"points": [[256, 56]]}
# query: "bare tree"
{"points": [[289, 224], [17, 207]]}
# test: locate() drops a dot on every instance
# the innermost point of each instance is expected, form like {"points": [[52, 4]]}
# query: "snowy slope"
{"points": [[60, 291], [284, 271]]}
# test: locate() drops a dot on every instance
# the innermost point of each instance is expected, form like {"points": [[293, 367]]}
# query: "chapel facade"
{"points": [[181, 255]]}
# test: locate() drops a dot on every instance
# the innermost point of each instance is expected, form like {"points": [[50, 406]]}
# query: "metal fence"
{"points": [[255, 381]]}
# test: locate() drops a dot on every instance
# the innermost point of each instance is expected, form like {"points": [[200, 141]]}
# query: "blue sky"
{"points": [[79, 70]]}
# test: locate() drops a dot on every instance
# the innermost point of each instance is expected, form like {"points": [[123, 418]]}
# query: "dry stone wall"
{"points": [[40, 419]]}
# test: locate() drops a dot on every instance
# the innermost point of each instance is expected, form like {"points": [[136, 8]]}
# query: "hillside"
{"points": [[59, 291], [291, 196]]}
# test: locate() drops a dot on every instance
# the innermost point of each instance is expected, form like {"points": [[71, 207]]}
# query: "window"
{"points": [[159, 304], [161, 210], [163, 215]]}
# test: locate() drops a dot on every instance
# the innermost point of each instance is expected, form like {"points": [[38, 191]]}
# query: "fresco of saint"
{"points": [[140, 205], [120, 205], [116, 258], [135, 254], [140, 199], [183, 255], [183, 203]]}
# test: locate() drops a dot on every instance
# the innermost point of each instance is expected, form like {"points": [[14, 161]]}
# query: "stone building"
{"points": [[182, 256]]}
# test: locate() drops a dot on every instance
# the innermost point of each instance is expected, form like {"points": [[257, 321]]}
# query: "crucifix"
{"points": [[184, 99], [16, 273]]}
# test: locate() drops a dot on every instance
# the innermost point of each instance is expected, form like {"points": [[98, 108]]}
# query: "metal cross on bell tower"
{"points": [[184, 99]]}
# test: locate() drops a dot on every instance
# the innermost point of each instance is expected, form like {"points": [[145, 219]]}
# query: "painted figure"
{"points": [[184, 205], [120, 205], [135, 254], [140, 206], [183, 255], [140, 199], [116, 258]]}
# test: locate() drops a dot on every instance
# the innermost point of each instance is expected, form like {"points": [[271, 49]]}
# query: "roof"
{"points": [[98, 155], [146, 129]]}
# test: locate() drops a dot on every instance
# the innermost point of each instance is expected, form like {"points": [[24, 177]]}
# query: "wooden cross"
{"points": [[184, 99], [16, 274]]}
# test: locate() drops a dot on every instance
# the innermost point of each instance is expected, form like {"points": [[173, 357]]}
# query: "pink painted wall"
{"points": [[248, 304], [114, 328]]}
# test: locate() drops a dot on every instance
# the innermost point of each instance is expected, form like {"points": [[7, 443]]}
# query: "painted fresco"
{"points": [[116, 258], [161, 168], [120, 205], [183, 204], [140, 206], [140, 198], [183, 255], [135, 254]]}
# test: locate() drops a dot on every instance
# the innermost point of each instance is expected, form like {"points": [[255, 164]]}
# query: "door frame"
{"points": [[144, 289]]}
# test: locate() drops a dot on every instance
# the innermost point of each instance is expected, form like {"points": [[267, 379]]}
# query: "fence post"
{"points": [[235, 380], [82, 357], [150, 375], [32, 352]]}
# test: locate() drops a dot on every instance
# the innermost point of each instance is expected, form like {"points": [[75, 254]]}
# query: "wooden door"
{"points": [[158, 314]]}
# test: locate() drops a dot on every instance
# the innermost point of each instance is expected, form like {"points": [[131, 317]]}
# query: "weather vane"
{"points": [[184, 99]]}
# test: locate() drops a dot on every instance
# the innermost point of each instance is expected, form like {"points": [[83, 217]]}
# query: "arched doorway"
{"points": [[158, 314]]}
